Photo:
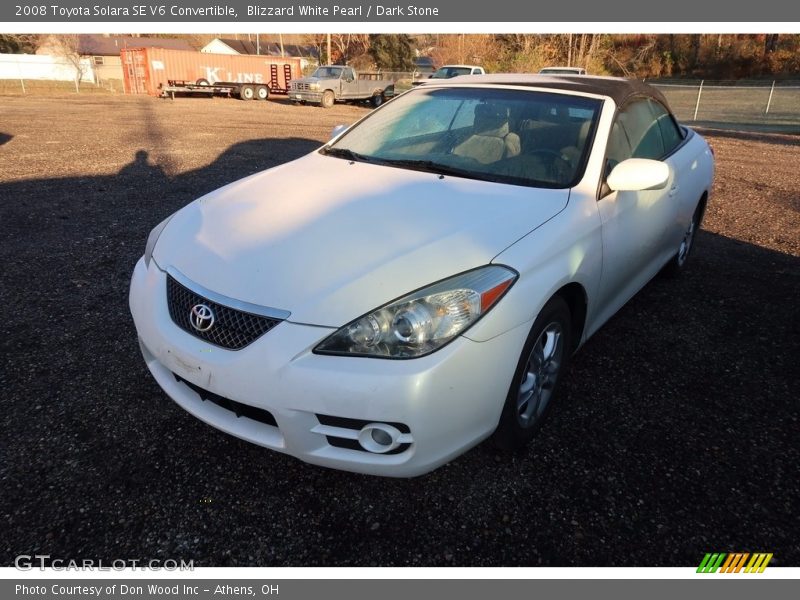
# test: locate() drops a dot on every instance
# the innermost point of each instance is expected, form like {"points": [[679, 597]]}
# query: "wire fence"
{"points": [[754, 105], [772, 106]]}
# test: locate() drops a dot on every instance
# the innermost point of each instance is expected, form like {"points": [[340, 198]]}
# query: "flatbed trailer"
{"points": [[231, 89]]}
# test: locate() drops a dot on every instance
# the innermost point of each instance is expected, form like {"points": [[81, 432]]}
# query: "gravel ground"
{"points": [[677, 433]]}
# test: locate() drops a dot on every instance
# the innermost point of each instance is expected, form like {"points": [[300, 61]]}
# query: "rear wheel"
{"points": [[678, 262], [544, 358], [327, 99], [247, 92], [202, 82], [262, 92], [377, 100]]}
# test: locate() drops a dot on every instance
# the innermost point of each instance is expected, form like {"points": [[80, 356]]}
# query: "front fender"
{"points": [[566, 249]]}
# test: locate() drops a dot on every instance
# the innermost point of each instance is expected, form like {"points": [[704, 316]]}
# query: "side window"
{"points": [[642, 130], [670, 132], [348, 75], [618, 148]]}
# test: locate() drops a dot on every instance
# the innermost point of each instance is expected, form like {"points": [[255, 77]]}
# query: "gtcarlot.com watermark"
{"points": [[26, 562]]}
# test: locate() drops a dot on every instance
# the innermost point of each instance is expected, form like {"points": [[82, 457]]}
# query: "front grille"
{"points": [[239, 409], [304, 87], [232, 329]]}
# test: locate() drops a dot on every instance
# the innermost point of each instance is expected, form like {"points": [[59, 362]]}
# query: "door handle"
{"points": [[673, 190]]}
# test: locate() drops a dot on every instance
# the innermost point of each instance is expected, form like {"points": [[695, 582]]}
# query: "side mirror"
{"points": [[637, 174], [337, 130]]}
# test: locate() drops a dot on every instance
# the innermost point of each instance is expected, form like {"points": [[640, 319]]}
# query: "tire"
{"points": [[202, 82], [377, 100], [327, 99], [537, 378], [677, 263], [247, 92], [262, 92]]}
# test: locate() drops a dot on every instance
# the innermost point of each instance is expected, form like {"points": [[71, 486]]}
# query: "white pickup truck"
{"points": [[332, 83], [450, 71], [563, 71]]}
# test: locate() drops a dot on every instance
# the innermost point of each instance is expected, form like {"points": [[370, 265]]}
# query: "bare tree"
{"points": [[350, 45], [67, 47], [20, 43], [318, 41], [770, 43]]}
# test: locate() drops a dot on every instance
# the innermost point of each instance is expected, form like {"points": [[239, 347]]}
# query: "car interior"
{"points": [[539, 142]]}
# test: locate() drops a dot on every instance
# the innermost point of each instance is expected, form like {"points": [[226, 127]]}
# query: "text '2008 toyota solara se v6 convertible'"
{"points": [[420, 282]]}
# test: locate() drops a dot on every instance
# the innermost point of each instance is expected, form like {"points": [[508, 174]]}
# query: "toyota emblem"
{"points": [[201, 317]]}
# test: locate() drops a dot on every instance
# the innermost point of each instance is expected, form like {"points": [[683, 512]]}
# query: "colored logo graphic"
{"points": [[735, 562]]}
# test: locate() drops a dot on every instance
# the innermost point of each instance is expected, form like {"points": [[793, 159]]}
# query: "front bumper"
{"points": [[305, 96], [443, 403]]}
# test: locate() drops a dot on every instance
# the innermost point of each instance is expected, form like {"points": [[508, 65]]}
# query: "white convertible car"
{"points": [[419, 283]]}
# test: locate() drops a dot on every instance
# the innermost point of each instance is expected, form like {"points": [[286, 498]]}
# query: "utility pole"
{"points": [[330, 62]]}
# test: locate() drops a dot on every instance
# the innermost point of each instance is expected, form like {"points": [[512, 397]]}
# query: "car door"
{"points": [[635, 225], [349, 83], [683, 166]]}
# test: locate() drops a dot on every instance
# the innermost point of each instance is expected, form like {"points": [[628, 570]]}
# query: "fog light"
{"points": [[381, 437]]}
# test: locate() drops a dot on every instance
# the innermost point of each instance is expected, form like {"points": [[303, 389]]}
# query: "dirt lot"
{"points": [[678, 433]]}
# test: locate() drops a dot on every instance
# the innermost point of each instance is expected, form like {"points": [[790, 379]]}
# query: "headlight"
{"points": [[425, 320], [152, 239], [313, 86]]}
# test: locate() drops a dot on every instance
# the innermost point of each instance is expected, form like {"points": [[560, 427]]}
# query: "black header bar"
{"points": [[608, 12]]}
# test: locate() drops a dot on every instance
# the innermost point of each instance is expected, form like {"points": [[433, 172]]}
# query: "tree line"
{"points": [[706, 56]]}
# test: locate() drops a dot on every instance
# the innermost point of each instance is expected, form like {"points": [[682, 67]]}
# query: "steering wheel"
{"points": [[559, 168]]}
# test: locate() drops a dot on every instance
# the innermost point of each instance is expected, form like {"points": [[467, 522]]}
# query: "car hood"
{"points": [[329, 239], [307, 80]]}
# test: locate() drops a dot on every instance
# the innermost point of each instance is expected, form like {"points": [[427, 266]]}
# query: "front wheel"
{"points": [[535, 385], [247, 92], [262, 92], [327, 99]]}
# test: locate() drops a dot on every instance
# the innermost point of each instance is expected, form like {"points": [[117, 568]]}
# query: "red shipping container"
{"points": [[147, 70]]}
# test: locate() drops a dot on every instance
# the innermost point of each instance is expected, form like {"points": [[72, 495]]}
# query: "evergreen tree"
{"points": [[392, 52]]}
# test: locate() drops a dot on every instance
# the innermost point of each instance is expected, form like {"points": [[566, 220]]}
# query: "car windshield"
{"points": [[328, 73], [448, 72], [536, 139]]}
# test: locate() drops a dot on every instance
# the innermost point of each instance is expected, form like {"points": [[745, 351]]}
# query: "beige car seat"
{"points": [[492, 139]]}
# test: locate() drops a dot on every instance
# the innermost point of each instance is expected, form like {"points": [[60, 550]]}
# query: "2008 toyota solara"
{"points": [[420, 282]]}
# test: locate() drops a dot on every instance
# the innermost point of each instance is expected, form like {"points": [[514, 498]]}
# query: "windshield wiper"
{"points": [[430, 166], [345, 153]]}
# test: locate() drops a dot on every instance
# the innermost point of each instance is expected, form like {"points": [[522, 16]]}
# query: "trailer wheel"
{"points": [[262, 92], [327, 99], [377, 99], [247, 92], [202, 82]]}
